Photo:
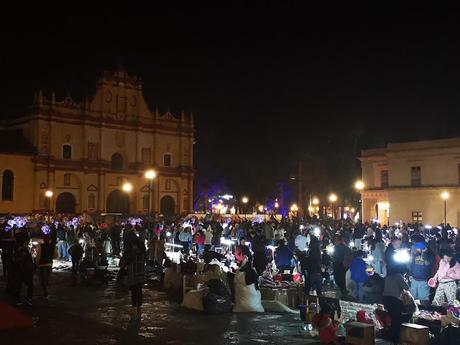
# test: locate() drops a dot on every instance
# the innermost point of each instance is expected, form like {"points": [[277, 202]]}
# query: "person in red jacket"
{"points": [[199, 241], [326, 326]]}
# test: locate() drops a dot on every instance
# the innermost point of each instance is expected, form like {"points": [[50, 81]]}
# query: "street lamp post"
{"points": [[49, 194], [359, 186], [445, 195], [245, 201], [333, 199], [150, 175], [127, 188]]}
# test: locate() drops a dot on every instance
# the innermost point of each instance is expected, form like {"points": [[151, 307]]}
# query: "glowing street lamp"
{"points": [[359, 185], [150, 175], [445, 195], [294, 208], [49, 194], [245, 201], [127, 187], [315, 201], [261, 208], [333, 199], [277, 205]]}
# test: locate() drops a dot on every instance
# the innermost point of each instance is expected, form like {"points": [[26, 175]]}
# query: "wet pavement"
{"points": [[103, 315]]}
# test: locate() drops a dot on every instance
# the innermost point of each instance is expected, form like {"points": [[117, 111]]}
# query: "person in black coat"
{"points": [[313, 267]]}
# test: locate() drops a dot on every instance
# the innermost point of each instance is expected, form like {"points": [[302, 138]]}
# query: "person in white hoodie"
{"points": [[301, 241], [208, 238]]}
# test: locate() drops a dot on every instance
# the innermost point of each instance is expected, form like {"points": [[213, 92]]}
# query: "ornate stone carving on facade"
{"points": [[67, 138], [92, 188], [120, 139], [120, 76]]}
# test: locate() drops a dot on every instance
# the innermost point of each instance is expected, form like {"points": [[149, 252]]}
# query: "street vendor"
{"points": [[448, 272]]}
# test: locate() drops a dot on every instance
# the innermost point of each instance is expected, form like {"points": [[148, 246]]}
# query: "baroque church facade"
{"points": [[85, 151]]}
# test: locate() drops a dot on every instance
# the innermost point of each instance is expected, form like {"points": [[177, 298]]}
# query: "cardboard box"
{"points": [[414, 334], [358, 333]]}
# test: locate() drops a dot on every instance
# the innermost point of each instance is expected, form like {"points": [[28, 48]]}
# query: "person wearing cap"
{"points": [[420, 270]]}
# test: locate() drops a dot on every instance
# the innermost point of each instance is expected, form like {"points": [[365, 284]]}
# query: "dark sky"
{"points": [[269, 82]]}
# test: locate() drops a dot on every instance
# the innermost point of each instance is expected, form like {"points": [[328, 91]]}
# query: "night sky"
{"points": [[269, 83]]}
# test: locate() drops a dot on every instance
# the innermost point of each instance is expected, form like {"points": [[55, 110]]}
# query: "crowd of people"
{"points": [[364, 258]]}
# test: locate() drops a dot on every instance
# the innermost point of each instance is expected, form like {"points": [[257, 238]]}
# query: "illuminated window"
{"points": [[417, 216], [416, 176], [91, 201], [67, 151], [66, 179], [7, 185], [384, 178], [167, 160]]}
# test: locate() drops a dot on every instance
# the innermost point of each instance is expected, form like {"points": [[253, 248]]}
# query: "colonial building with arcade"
{"points": [[84, 151]]}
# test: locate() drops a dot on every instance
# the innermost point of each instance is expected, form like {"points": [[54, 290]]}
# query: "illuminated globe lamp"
{"points": [[333, 197], [315, 201], [359, 185], [49, 194], [445, 195], [245, 199], [294, 208], [127, 187], [150, 174], [261, 208]]}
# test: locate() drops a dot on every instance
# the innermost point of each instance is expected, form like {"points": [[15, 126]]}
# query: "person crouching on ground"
{"points": [[325, 325], [247, 294], [395, 284], [358, 275], [448, 272]]}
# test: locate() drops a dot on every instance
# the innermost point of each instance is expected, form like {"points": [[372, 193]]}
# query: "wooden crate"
{"points": [[358, 333], [293, 298], [268, 294], [414, 334]]}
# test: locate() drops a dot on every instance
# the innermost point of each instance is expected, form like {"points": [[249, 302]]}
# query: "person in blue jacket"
{"points": [[283, 257], [358, 275], [420, 270]]}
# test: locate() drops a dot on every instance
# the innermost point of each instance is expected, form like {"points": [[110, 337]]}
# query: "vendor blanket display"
{"points": [[349, 310], [247, 298]]}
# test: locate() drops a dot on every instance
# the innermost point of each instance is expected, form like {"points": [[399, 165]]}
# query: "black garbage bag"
{"points": [[216, 286], [215, 304]]}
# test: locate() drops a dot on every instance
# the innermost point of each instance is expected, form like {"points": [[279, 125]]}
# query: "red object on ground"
{"points": [[296, 277], [11, 318], [361, 316]]}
